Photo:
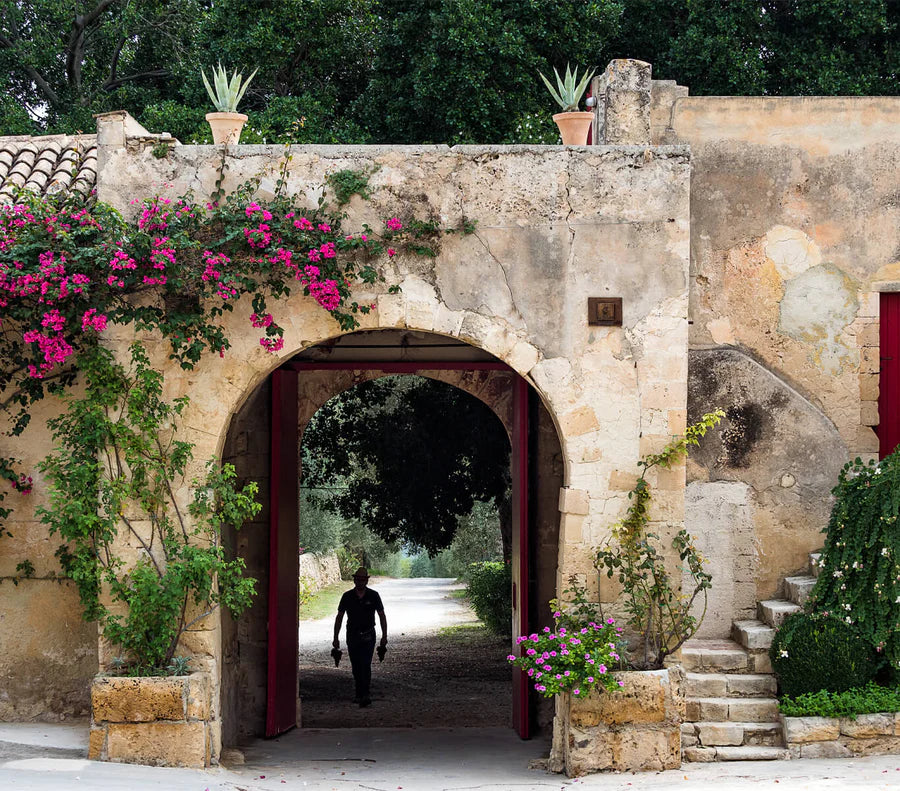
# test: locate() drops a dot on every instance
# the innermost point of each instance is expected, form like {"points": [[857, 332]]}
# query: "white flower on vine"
{"points": [[847, 607], [884, 552], [838, 573]]}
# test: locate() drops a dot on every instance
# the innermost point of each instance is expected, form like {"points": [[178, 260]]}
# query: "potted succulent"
{"points": [[573, 124], [226, 123]]}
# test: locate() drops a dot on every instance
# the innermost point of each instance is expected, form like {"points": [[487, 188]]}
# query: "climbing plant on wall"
{"points": [[69, 270]]}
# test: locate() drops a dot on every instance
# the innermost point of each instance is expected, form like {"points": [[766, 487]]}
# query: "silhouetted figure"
{"points": [[361, 603]]}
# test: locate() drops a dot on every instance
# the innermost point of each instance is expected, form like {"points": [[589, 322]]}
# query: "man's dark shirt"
{"points": [[360, 610]]}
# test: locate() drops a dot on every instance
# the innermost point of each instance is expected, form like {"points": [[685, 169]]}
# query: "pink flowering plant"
{"points": [[579, 654], [70, 270]]}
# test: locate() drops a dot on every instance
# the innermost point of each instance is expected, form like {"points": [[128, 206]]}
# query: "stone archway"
{"points": [[244, 673]]}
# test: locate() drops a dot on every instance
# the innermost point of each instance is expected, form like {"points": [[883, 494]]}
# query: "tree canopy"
{"points": [[441, 71], [406, 457]]}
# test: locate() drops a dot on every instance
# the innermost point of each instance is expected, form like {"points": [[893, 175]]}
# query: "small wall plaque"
{"points": [[605, 311]]}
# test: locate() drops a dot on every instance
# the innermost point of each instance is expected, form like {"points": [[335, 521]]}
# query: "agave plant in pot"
{"points": [[227, 122], [573, 124]]}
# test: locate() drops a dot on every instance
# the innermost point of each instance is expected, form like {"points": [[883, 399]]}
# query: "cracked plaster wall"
{"points": [[554, 226], [795, 227]]}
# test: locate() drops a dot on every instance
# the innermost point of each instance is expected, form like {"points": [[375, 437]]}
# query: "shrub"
{"points": [[348, 562], [870, 699], [859, 576], [488, 588], [818, 652]]}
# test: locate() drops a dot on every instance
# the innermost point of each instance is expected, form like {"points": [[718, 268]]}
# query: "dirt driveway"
{"points": [[428, 679]]}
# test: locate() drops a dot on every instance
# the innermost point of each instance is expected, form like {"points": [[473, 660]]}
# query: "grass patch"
{"points": [[870, 699], [457, 593], [463, 630], [324, 602]]}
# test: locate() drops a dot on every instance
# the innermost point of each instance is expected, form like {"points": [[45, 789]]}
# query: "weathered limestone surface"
{"points": [[637, 728], [162, 721], [780, 456], [842, 737], [319, 570], [794, 230]]}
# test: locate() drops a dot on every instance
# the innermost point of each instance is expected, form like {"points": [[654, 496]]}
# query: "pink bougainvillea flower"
{"points": [[394, 224]]}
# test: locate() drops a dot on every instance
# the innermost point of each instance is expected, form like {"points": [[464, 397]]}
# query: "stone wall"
{"points": [[842, 737], [634, 729], [319, 571], [795, 228], [164, 721]]}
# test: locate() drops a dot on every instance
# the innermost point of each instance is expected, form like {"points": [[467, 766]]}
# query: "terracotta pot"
{"points": [[226, 127], [573, 127]]}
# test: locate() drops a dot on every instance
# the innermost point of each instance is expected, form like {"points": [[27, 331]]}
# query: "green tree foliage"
{"points": [[442, 71], [766, 47], [489, 587], [466, 71], [407, 457], [63, 61], [477, 540]]}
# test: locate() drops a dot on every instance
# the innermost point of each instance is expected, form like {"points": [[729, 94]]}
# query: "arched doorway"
{"points": [[259, 680]]}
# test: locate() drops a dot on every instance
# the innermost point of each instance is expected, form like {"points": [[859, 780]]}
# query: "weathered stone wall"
{"points": [[319, 571], [795, 227], [554, 226], [842, 737], [48, 653]]}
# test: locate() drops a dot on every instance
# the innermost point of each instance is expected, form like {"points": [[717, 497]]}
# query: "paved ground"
{"points": [[490, 759], [459, 678]]}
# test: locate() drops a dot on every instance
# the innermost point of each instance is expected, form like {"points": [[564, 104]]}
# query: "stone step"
{"points": [[797, 589], [730, 685], [731, 734], [753, 635], [774, 611], [731, 710], [743, 753], [814, 559], [714, 656]]}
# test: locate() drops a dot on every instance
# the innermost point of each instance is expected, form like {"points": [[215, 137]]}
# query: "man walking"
{"points": [[361, 603]]}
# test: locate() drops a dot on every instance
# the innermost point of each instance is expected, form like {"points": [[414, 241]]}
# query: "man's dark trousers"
{"points": [[361, 647]]}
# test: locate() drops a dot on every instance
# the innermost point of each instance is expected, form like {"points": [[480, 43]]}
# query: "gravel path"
{"points": [[427, 679]]}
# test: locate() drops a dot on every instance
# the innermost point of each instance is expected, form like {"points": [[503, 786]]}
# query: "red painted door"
{"points": [[281, 693], [519, 464], [889, 383]]}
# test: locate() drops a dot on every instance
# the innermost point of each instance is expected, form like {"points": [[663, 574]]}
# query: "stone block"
{"points": [[868, 387], [645, 698], [706, 685], [833, 749], [159, 743], [713, 709], [756, 684], [877, 745], [868, 413], [713, 734], [97, 744], [198, 703], [810, 729], [752, 710], [865, 726], [142, 699], [648, 750], [700, 754], [751, 753], [574, 501], [760, 662], [752, 634]]}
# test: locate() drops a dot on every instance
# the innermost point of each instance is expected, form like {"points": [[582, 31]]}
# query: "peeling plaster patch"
{"points": [[791, 250], [721, 331], [817, 305]]}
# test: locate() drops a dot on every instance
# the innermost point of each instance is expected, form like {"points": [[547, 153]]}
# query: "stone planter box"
{"points": [[636, 728], [160, 721], [841, 737]]}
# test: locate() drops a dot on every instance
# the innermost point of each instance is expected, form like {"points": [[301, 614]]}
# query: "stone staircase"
{"points": [[731, 709]]}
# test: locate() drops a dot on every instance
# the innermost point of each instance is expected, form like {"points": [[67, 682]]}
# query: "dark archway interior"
{"points": [[247, 447]]}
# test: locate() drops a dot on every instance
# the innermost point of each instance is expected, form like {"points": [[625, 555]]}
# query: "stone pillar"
{"points": [[622, 110]]}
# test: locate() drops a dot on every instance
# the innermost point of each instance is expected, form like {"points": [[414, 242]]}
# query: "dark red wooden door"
{"points": [[281, 694], [519, 464], [889, 393]]}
